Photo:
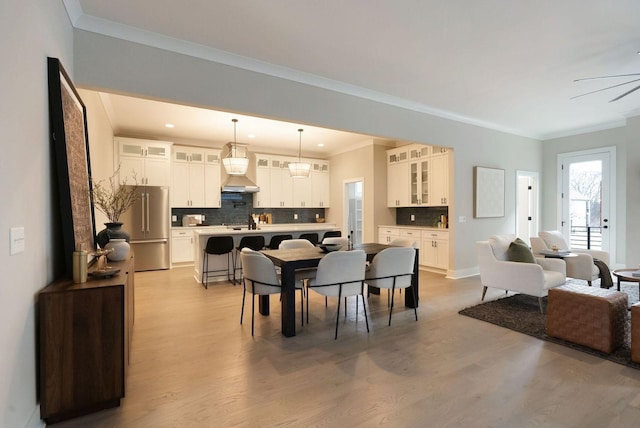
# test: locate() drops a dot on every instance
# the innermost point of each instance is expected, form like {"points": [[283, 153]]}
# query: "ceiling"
{"points": [[497, 63]]}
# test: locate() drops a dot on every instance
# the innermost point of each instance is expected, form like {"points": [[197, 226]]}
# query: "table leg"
{"points": [[409, 301], [263, 305], [288, 303], [618, 283]]}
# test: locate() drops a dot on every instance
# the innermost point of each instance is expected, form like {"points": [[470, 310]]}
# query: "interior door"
{"points": [[527, 196], [587, 182]]}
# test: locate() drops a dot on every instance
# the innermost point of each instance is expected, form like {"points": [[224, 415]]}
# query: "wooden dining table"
{"points": [[290, 260]]}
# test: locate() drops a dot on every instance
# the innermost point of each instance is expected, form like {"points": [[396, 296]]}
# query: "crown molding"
{"points": [[585, 130], [74, 10]]}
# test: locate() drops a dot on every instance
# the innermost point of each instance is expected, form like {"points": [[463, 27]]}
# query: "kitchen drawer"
{"points": [[389, 231], [435, 234], [411, 233], [177, 233]]}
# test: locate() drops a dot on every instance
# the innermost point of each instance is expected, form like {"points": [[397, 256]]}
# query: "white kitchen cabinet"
{"points": [[419, 177], [279, 190], [414, 235], [320, 184], [212, 181], [187, 177], [387, 234], [147, 160], [262, 199], [397, 177], [439, 195], [182, 246], [281, 182], [434, 251]]}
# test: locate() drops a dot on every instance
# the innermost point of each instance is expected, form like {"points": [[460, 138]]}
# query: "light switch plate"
{"points": [[413, 217], [295, 216], [16, 240], [462, 219]]}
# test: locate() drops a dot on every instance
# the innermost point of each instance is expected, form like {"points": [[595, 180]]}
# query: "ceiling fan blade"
{"points": [[607, 77], [625, 94], [604, 89]]}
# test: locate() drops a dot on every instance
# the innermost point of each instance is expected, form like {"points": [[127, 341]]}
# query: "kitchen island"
{"points": [[267, 230]]}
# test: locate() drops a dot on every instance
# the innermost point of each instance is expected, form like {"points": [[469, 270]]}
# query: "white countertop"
{"points": [[261, 228], [397, 226]]}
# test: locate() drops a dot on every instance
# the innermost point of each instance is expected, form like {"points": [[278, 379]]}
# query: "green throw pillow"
{"points": [[519, 251]]}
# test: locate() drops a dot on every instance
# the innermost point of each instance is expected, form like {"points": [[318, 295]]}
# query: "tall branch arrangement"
{"points": [[112, 197]]}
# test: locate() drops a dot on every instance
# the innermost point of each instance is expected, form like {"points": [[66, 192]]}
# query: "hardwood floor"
{"points": [[194, 365]]}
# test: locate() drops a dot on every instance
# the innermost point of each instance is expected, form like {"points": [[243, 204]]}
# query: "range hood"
{"points": [[238, 183]]}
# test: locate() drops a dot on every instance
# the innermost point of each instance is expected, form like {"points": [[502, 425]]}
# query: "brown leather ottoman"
{"points": [[635, 333], [588, 316]]}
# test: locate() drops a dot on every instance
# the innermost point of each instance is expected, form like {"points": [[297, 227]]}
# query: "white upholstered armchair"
{"points": [[580, 267], [497, 271]]}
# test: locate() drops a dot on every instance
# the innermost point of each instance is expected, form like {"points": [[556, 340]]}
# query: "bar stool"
{"points": [[311, 237], [217, 245], [254, 242], [331, 234], [275, 241]]}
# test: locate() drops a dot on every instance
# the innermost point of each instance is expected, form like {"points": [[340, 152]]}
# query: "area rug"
{"points": [[521, 313]]}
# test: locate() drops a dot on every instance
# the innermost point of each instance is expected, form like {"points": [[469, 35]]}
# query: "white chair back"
{"points": [[259, 273], [344, 242], [390, 263], [341, 267], [404, 242], [295, 243], [554, 237]]}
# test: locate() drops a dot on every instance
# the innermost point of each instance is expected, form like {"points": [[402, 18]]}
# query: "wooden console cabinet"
{"points": [[84, 334]]}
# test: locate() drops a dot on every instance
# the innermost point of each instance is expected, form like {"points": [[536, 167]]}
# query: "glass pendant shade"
{"points": [[299, 169], [235, 165]]}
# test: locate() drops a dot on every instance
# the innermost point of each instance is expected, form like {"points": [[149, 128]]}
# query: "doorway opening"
{"points": [[353, 218], [586, 195], [527, 208]]}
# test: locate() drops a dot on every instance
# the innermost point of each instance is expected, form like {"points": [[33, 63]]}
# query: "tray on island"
{"points": [[104, 273]]}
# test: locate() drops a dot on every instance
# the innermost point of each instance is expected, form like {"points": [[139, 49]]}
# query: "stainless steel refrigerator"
{"points": [[148, 223]]}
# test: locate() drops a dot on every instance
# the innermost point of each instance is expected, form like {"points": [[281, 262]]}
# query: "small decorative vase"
{"points": [[113, 231], [120, 249]]}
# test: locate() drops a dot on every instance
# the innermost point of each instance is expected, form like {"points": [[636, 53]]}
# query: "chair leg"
{"points": [[393, 294], [326, 300], [388, 298], [302, 306], [415, 299], [540, 304], [205, 268], [484, 291], [244, 293], [338, 314], [308, 303], [253, 312], [345, 307], [589, 282], [364, 307]]}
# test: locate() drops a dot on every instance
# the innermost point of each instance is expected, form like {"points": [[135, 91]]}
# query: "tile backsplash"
{"points": [[424, 216], [236, 208]]}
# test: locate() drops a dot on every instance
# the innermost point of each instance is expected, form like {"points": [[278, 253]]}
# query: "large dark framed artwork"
{"points": [[70, 146]]}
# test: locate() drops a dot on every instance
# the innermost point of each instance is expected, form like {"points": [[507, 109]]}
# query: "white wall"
{"points": [[31, 31], [100, 143], [113, 64]]}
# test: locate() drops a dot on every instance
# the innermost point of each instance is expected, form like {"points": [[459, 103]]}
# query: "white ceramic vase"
{"points": [[120, 249]]}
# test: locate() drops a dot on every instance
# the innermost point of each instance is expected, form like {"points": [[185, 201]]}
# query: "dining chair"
{"points": [[331, 234], [255, 242], [275, 241], [392, 268], [344, 242], [341, 274], [404, 242], [311, 237], [302, 275], [259, 278], [217, 245]]}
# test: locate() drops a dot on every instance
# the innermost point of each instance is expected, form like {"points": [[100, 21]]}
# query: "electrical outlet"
{"points": [[462, 219], [413, 217], [317, 215], [174, 218], [295, 216], [16, 240]]}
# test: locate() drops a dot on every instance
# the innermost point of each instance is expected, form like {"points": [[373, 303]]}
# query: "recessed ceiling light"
{"points": [[251, 135], [169, 125], [320, 145]]}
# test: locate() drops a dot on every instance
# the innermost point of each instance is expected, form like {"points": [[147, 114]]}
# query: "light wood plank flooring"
{"points": [[194, 365]]}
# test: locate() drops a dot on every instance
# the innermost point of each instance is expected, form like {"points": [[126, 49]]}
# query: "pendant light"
{"points": [[299, 169], [232, 164]]}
